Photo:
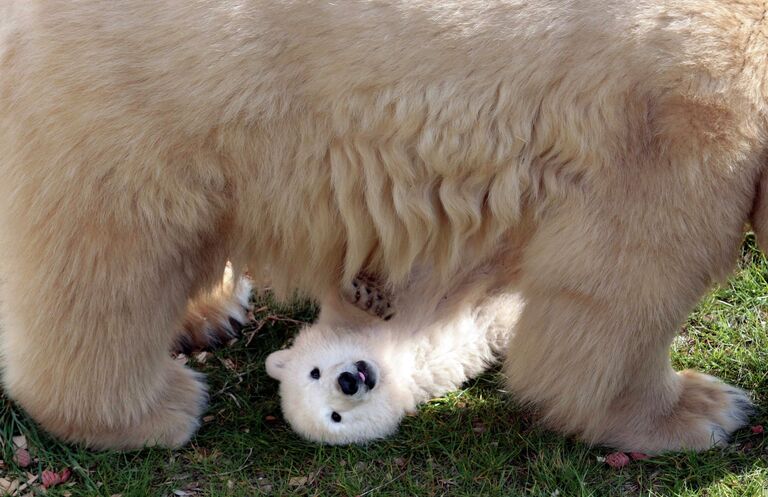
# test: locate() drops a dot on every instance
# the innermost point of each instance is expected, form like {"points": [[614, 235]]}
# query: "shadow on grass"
{"points": [[472, 442], [475, 441]]}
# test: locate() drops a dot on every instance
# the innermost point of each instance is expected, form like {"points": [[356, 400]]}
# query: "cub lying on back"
{"points": [[353, 383]]}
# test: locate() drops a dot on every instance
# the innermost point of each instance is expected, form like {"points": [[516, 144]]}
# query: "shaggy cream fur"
{"points": [[619, 144]]}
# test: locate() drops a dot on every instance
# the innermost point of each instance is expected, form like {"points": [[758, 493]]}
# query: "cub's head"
{"points": [[336, 387]]}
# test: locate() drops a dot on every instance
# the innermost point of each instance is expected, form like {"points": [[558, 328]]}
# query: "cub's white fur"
{"points": [[425, 351]]}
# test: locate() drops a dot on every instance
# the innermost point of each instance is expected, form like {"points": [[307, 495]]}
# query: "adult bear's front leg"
{"points": [[92, 301]]}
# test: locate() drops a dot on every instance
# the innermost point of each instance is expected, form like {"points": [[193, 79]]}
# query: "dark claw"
{"points": [[204, 401], [214, 340], [184, 345], [721, 434], [746, 408], [236, 325]]}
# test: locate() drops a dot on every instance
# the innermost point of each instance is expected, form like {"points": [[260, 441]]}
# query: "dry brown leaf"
{"points": [[478, 427], [65, 474], [20, 442], [617, 460], [8, 487], [49, 478], [228, 363], [22, 457], [298, 481]]}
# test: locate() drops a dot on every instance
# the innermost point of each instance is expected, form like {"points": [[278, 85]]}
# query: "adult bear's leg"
{"points": [[96, 282], [607, 280]]}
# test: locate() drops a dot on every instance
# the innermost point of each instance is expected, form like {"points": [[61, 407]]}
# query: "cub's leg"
{"points": [[607, 281], [215, 316]]}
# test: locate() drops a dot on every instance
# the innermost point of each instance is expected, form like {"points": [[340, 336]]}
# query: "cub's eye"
{"points": [[336, 417], [315, 374]]}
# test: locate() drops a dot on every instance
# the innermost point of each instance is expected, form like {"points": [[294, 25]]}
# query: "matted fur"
{"points": [[618, 143]]}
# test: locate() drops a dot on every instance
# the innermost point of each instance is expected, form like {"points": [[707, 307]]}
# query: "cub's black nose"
{"points": [[348, 383]]}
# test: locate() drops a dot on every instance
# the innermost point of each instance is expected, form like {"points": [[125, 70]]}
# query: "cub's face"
{"points": [[333, 390]]}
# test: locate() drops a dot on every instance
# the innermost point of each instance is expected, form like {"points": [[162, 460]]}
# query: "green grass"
{"points": [[472, 442]]}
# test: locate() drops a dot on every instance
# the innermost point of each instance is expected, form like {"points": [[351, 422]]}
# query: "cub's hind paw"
{"points": [[215, 318], [369, 295]]}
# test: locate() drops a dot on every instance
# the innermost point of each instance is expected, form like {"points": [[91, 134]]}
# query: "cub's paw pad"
{"points": [[369, 295]]}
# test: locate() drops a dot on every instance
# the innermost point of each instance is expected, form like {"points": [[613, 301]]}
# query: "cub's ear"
{"points": [[277, 362]]}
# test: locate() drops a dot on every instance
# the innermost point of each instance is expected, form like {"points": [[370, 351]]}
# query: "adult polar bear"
{"points": [[616, 145]]}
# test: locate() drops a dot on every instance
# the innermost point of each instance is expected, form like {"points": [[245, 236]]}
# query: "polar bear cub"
{"points": [[352, 384]]}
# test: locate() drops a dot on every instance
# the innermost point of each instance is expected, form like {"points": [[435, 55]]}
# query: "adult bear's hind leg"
{"points": [[605, 290], [579, 363]]}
